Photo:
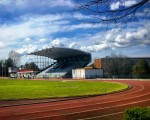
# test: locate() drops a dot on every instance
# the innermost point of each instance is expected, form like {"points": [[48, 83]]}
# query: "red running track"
{"points": [[106, 107]]}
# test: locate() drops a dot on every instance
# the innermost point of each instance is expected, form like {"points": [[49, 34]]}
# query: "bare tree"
{"points": [[112, 11], [15, 57], [116, 65]]}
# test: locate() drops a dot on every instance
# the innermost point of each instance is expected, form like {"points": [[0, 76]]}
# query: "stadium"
{"points": [[64, 60]]}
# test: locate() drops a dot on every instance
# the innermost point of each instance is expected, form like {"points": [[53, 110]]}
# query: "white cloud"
{"points": [[115, 6], [33, 27], [126, 3], [95, 48], [80, 26], [81, 16], [57, 43], [10, 33], [60, 3], [2, 45], [25, 49], [43, 18], [27, 39], [129, 3], [130, 37], [43, 40], [120, 39], [38, 27], [117, 38], [46, 3], [108, 36], [73, 45]]}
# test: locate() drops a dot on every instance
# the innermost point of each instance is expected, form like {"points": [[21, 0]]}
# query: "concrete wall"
{"points": [[78, 73], [87, 73], [94, 73]]}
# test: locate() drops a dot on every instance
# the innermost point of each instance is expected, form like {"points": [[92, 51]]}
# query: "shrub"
{"points": [[137, 113]]}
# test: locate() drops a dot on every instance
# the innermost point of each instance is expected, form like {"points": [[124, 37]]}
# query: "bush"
{"points": [[137, 113]]}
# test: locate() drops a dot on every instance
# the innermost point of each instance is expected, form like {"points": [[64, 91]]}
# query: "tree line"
{"points": [[4, 65], [9, 63], [121, 66], [13, 62]]}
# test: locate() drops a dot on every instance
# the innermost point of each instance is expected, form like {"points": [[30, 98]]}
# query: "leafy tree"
{"points": [[112, 11], [9, 63], [141, 69], [1, 67], [4, 65], [32, 66]]}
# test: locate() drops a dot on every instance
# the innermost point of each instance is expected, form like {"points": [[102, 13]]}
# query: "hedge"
{"points": [[137, 113]]}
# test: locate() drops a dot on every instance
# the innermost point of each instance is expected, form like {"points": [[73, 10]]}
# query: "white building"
{"points": [[87, 73]]}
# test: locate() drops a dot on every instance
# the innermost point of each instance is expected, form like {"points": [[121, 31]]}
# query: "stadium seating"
{"points": [[66, 59]]}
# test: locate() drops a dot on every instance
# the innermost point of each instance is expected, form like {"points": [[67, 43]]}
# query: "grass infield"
{"points": [[11, 89]]}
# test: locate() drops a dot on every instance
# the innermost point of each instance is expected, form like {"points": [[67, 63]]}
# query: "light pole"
{"points": [[5, 68]]}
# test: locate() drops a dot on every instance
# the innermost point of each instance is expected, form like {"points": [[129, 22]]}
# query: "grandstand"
{"points": [[65, 59]]}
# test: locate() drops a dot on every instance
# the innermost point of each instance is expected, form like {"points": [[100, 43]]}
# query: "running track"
{"points": [[106, 107]]}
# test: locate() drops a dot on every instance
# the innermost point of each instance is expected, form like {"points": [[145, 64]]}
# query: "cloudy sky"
{"points": [[29, 25]]}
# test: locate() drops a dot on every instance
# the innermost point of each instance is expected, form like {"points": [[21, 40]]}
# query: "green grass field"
{"points": [[36, 89]]}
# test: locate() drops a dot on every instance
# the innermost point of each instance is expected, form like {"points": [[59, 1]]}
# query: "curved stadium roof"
{"points": [[57, 53]]}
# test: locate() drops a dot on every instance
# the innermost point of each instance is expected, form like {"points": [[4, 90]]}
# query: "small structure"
{"points": [[25, 74], [87, 73], [21, 73]]}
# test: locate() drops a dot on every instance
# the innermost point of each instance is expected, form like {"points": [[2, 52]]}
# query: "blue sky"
{"points": [[29, 25]]}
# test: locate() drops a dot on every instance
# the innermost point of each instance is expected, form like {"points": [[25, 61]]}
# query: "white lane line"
{"points": [[75, 101], [79, 112], [77, 106], [101, 116]]}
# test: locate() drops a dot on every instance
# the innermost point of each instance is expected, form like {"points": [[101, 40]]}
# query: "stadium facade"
{"points": [[65, 59]]}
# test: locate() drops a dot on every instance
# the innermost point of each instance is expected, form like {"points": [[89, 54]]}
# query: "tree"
{"points": [[116, 65], [15, 57], [141, 69], [9, 63], [4, 65], [1, 68], [31, 66], [112, 11]]}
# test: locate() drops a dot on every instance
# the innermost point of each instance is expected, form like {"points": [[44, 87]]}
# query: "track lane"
{"points": [[93, 112], [74, 108]]}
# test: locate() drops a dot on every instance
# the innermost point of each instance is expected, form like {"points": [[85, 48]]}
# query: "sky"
{"points": [[32, 25]]}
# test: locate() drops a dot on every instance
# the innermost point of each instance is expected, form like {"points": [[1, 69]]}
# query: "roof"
{"points": [[57, 53], [25, 71]]}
